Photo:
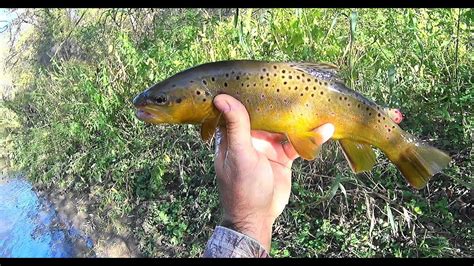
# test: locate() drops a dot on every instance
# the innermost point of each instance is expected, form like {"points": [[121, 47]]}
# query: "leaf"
{"points": [[334, 187], [391, 220], [353, 23]]}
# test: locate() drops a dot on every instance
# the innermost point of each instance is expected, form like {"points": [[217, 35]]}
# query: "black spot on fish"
{"points": [[308, 80], [283, 76], [178, 100], [312, 94], [345, 98], [367, 109], [268, 74], [255, 84], [284, 83], [174, 85], [207, 93], [191, 81], [283, 71], [226, 75], [268, 79], [262, 96], [378, 114], [314, 88], [306, 88], [340, 98], [383, 118], [358, 105], [204, 99], [237, 78], [266, 85], [264, 69], [261, 77], [296, 88], [329, 99], [204, 82], [325, 83], [378, 120], [389, 130], [370, 114], [198, 92], [275, 74], [320, 83], [248, 85], [301, 94], [213, 79], [321, 92], [225, 84], [242, 84], [290, 77], [393, 127], [274, 67], [278, 90], [348, 104], [298, 77]]}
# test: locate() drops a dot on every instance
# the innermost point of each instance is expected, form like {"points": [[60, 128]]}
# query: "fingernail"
{"points": [[327, 131]]}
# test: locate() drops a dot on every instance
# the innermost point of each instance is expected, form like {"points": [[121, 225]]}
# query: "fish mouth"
{"points": [[153, 115], [144, 115]]}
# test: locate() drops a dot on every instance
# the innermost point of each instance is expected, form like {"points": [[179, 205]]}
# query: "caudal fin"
{"points": [[419, 162]]}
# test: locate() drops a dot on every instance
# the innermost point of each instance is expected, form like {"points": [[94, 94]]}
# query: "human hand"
{"points": [[253, 171]]}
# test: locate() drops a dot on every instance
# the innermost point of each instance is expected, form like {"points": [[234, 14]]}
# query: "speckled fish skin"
{"points": [[292, 99]]}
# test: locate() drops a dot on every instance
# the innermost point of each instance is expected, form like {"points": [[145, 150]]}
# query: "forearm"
{"points": [[227, 243]]}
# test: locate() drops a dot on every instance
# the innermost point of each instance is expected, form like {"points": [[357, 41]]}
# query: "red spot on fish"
{"points": [[398, 116]]}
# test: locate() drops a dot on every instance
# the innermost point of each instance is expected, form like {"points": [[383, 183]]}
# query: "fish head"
{"points": [[174, 101]]}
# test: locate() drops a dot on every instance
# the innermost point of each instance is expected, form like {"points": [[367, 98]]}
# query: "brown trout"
{"points": [[292, 99]]}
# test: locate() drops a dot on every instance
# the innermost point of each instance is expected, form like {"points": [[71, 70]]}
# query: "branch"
{"points": [[68, 35]]}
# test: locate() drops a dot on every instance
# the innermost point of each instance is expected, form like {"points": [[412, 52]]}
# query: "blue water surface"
{"points": [[29, 225]]}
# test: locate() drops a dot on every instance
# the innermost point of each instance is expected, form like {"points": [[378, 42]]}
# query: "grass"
{"points": [[71, 124]]}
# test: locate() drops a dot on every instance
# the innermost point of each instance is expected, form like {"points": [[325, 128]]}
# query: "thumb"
{"points": [[237, 122]]}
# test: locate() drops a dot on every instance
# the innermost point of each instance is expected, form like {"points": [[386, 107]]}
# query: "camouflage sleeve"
{"points": [[227, 243]]}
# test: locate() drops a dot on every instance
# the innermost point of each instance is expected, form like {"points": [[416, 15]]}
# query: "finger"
{"points": [[324, 132], [290, 151], [221, 141], [237, 122]]}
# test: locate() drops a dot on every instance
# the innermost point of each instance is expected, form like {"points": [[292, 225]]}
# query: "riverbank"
{"points": [[110, 240], [82, 232]]}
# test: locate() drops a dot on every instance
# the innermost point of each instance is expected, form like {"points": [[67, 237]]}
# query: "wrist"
{"points": [[259, 230]]}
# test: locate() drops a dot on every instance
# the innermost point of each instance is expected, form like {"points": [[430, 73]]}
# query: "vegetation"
{"points": [[70, 124]]}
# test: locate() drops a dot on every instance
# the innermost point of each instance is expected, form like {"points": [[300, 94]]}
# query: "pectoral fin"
{"points": [[361, 157], [208, 127], [306, 144]]}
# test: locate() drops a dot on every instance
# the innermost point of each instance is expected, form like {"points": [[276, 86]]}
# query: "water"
{"points": [[30, 226]]}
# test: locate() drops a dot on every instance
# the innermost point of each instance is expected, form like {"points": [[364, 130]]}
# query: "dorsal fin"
{"points": [[321, 70]]}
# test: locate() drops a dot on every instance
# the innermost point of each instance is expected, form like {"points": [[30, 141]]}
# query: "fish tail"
{"points": [[418, 162]]}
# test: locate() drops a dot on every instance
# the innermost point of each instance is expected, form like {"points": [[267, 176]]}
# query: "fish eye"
{"points": [[160, 99]]}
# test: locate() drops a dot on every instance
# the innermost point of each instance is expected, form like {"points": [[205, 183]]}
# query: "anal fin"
{"points": [[360, 156]]}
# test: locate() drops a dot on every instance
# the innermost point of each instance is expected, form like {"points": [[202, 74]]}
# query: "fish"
{"points": [[292, 99]]}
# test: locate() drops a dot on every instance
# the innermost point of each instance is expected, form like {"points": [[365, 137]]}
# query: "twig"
{"points": [[69, 35], [457, 52]]}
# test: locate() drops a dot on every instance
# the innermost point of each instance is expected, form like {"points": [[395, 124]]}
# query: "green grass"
{"points": [[77, 130]]}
